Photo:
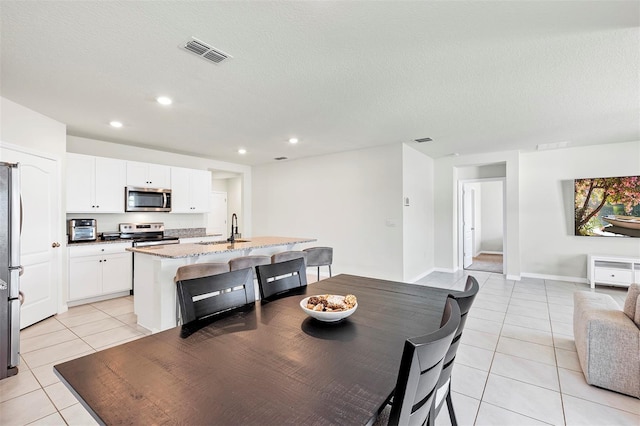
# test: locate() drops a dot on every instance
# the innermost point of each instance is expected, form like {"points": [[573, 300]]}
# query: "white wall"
{"points": [[548, 245], [113, 150], [491, 223], [417, 182], [351, 201]]}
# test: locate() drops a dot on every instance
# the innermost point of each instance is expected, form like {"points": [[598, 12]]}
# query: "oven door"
{"points": [[147, 200]]}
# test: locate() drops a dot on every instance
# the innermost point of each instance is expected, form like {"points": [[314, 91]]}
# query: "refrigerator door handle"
{"points": [[16, 217]]}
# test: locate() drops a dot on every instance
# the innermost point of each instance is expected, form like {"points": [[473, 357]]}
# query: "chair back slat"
{"points": [[205, 296], [277, 278], [420, 367]]}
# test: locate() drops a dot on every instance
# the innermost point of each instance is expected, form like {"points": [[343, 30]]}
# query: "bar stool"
{"points": [[319, 256], [250, 262], [288, 255]]}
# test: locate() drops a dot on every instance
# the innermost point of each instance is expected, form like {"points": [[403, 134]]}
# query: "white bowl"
{"points": [[326, 316]]}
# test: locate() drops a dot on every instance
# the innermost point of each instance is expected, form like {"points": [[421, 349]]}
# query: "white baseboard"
{"points": [[555, 277], [490, 252]]}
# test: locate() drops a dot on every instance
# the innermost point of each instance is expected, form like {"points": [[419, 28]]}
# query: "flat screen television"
{"points": [[607, 206]]}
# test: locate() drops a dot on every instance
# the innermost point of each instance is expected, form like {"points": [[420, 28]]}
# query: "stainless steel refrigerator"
{"points": [[10, 269]]}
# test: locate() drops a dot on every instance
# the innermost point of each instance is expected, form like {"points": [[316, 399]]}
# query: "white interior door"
{"points": [[217, 218], [40, 220], [468, 225]]}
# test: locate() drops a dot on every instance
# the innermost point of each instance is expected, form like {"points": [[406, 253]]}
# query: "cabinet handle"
{"points": [[55, 244], [100, 260]]}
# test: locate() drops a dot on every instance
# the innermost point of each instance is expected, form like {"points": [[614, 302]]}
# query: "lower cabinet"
{"points": [[613, 270], [96, 271]]}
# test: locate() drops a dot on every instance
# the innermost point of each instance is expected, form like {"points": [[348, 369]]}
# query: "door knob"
{"points": [[54, 245]]}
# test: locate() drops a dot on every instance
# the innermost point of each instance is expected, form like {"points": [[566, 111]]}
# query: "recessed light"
{"points": [[163, 100], [242, 151], [293, 140], [422, 140], [115, 124]]}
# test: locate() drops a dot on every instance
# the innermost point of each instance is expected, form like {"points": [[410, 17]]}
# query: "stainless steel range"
{"points": [[146, 234]]}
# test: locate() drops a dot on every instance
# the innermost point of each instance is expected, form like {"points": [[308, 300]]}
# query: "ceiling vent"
{"points": [[421, 140], [205, 51]]}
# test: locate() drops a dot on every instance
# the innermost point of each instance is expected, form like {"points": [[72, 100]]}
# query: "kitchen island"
{"points": [[155, 266]]}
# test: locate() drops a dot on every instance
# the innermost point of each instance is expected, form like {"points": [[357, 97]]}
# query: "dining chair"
{"points": [[288, 255], [196, 270], [465, 300], [319, 256], [420, 366], [250, 262], [276, 279], [203, 297]]}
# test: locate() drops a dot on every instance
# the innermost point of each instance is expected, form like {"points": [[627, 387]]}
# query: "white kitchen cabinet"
{"points": [[95, 184], [147, 175], [190, 190], [613, 270], [99, 270]]}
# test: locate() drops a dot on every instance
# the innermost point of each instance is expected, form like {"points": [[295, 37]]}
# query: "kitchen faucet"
{"points": [[232, 238]]}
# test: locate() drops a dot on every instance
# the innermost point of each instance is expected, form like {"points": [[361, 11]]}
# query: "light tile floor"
{"points": [[516, 365]]}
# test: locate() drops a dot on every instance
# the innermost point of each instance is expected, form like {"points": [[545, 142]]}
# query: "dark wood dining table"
{"points": [[269, 365]]}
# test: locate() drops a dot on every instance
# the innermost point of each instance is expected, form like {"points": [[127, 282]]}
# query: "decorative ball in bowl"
{"points": [[329, 307]]}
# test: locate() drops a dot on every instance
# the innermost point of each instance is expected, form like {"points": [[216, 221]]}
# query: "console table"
{"points": [[613, 270]]}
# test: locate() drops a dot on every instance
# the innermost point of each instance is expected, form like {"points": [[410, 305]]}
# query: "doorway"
{"points": [[482, 225]]}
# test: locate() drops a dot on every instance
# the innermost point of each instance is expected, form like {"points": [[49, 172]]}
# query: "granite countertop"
{"points": [[176, 251]]}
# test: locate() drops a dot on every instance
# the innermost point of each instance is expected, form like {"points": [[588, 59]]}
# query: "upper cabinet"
{"points": [[148, 175], [95, 184], [190, 190]]}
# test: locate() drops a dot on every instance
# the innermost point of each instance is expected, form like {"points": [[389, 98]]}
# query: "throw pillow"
{"points": [[630, 303]]}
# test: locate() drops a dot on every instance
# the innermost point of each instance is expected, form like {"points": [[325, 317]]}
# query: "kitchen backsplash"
{"points": [[110, 222]]}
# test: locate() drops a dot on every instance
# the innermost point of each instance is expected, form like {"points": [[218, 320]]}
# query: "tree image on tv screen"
{"points": [[607, 206]]}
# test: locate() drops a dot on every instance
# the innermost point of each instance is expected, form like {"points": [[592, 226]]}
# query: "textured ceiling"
{"points": [[474, 76]]}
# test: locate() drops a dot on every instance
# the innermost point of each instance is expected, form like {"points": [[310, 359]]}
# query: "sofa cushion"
{"points": [[630, 302], [636, 319]]}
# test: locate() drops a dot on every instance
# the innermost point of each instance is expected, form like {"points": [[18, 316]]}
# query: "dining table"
{"points": [[270, 364]]}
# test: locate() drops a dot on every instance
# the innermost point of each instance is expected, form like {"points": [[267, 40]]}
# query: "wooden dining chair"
{"points": [[276, 279], [319, 256], [465, 300], [250, 262], [203, 297], [422, 361], [196, 270]]}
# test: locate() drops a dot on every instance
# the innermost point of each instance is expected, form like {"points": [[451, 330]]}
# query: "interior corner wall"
{"points": [[351, 201], [548, 243], [417, 182]]}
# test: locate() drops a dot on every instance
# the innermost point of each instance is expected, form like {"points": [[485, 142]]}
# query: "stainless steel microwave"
{"points": [[147, 199]]}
